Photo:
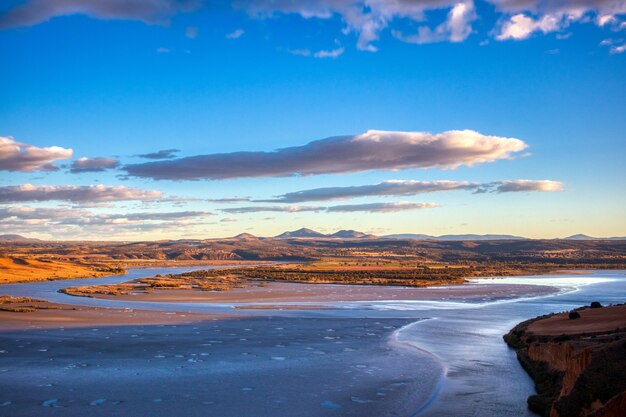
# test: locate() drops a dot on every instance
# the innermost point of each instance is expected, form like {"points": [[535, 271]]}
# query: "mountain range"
{"points": [[305, 233]]}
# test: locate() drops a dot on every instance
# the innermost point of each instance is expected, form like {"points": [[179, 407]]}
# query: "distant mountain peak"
{"points": [[300, 233], [455, 237], [349, 234], [580, 236], [16, 238], [244, 236]]}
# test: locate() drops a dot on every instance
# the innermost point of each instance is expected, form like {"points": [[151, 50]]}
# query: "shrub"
{"points": [[574, 315], [596, 304]]}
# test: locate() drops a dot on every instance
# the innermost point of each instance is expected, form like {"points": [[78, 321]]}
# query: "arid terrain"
{"points": [[577, 361], [30, 259]]}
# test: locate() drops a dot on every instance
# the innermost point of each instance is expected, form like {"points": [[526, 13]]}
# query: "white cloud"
{"points": [[411, 187], [18, 156], [381, 207], [521, 26], [236, 34], [372, 150], [73, 223], [456, 28], [522, 186], [333, 53], [75, 193], [258, 209], [82, 165], [367, 19]]}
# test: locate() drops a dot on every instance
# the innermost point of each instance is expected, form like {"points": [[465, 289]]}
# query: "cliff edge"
{"points": [[577, 360]]}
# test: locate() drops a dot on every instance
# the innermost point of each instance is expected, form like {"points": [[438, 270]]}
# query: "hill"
{"points": [[581, 236], [300, 233], [350, 234], [454, 237], [16, 238]]}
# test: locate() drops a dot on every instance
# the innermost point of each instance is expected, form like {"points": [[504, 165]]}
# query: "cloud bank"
{"points": [[413, 187], [75, 193], [367, 19], [372, 150], [518, 19], [73, 223], [17, 156], [82, 165]]}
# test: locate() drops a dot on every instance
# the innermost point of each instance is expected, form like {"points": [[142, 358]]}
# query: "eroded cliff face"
{"points": [[562, 357], [576, 375]]}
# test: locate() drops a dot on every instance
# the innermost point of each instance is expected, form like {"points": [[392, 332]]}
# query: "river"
{"points": [[478, 374]]}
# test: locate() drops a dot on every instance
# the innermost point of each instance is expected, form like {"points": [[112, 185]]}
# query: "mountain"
{"points": [[16, 238], [454, 237], [408, 236], [245, 236], [481, 237], [350, 234], [304, 232], [581, 236]]}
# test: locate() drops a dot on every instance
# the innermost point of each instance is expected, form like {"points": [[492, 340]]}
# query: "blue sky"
{"points": [[210, 79]]}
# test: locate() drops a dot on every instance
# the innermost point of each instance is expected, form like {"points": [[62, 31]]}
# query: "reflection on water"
{"points": [[482, 375]]}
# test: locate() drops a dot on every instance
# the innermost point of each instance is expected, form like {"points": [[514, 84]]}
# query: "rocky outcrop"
{"points": [[576, 374]]}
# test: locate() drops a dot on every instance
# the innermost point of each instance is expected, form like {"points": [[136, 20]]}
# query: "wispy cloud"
{"points": [[370, 207], [381, 207], [162, 154], [258, 209], [39, 213], [332, 53], [373, 150], [75, 223], [323, 53], [385, 188], [18, 156], [82, 165], [191, 32], [75, 193], [236, 34], [228, 200], [128, 218], [521, 186], [413, 187]]}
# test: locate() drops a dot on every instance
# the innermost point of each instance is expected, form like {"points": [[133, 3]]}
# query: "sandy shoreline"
{"points": [[276, 293], [66, 316]]}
